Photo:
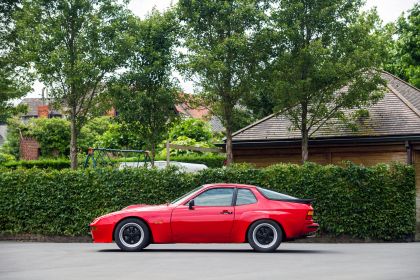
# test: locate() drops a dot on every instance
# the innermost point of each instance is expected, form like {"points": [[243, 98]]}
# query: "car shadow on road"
{"points": [[280, 251]]}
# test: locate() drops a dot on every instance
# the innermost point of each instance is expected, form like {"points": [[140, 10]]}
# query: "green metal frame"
{"points": [[103, 158]]}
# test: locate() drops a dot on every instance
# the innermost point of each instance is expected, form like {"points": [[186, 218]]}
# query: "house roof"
{"points": [[196, 113], [200, 112], [407, 91], [395, 114], [216, 124], [33, 104]]}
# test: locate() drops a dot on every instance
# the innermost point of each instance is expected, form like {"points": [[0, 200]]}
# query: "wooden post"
{"points": [[168, 153]]}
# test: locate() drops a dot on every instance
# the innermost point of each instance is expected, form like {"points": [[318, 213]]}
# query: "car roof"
{"points": [[228, 185]]}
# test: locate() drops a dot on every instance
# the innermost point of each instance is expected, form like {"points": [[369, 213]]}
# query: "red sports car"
{"points": [[214, 213]]}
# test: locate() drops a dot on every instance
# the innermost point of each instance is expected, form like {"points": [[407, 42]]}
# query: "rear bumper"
{"points": [[310, 230]]}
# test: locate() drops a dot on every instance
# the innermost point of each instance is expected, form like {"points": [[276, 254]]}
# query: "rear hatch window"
{"points": [[272, 195]]}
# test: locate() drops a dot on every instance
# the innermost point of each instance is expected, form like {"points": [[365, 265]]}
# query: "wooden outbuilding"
{"points": [[391, 133]]}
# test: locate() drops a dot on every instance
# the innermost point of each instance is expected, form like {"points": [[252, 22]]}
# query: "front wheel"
{"points": [[132, 235], [265, 236]]}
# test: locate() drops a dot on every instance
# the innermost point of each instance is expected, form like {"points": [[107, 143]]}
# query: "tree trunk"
{"points": [[152, 155], [305, 139], [304, 131], [73, 143], [229, 150]]}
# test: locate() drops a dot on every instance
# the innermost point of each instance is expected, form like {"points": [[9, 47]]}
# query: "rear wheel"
{"points": [[132, 235], [265, 236]]}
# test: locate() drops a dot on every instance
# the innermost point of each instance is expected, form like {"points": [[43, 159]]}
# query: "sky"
{"points": [[388, 10]]}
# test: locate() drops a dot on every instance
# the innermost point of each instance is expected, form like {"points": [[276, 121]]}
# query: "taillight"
{"points": [[310, 215]]}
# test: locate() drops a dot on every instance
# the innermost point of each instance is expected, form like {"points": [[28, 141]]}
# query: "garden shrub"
{"points": [[60, 163], [4, 157], [211, 160], [376, 203]]}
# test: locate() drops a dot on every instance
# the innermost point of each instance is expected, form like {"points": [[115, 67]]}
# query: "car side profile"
{"points": [[213, 213]]}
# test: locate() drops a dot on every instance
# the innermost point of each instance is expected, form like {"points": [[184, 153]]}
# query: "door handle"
{"points": [[226, 212]]}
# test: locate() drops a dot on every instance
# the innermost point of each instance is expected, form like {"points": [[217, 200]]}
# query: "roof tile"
{"points": [[390, 116]]}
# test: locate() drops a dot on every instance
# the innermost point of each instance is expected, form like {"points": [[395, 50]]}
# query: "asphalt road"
{"points": [[209, 261]]}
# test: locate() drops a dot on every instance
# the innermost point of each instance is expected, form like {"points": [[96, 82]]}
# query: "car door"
{"points": [[210, 220]]}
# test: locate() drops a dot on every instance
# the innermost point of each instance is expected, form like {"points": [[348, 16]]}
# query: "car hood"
{"points": [[144, 208]]}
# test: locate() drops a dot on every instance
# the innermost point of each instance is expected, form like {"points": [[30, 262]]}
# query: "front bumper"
{"points": [[101, 233]]}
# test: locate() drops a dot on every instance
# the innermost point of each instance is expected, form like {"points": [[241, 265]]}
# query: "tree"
{"points": [[327, 64], [191, 128], [74, 45], [405, 50], [53, 135], [145, 95], [221, 53], [12, 83]]}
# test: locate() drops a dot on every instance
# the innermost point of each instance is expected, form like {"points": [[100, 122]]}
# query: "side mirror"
{"points": [[191, 204]]}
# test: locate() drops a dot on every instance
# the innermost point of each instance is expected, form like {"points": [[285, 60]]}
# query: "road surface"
{"points": [[61, 261]]}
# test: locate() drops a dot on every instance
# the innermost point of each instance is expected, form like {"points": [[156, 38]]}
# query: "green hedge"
{"points": [[42, 164], [212, 161], [376, 203]]}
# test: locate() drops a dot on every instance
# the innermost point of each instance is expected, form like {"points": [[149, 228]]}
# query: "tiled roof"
{"points": [[394, 114], [196, 113], [201, 113], [216, 124], [33, 104], [409, 92]]}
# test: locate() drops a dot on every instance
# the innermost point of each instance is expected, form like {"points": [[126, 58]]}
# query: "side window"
{"points": [[245, 197], [215, 197]]}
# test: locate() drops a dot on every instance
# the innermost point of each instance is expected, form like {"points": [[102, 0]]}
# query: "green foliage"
{"points": [[58, 164], [189, 132], [4, 157], [146, 94], [53, 135], [95, 130], [211, 160], [375, 203], [185, 141], [15, 127], [323, 47], [74, 61], [405, 50], [13, 79], [222, 52], [191, 128]]}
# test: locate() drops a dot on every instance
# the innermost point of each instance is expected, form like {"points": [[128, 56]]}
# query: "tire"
{"points": [[132, 235], [265, 236]]}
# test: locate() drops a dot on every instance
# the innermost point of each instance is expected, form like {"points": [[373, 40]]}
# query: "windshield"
{"points": [[274, 195], [185, 195]]}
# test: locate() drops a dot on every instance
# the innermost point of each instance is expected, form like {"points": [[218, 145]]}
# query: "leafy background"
{"points": [[375, 203]]}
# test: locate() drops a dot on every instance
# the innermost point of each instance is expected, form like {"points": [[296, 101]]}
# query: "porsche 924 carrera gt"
{"points": [[213, 213]]}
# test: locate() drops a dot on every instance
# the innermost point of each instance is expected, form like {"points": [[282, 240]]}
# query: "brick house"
{"points": [[37, 108]]}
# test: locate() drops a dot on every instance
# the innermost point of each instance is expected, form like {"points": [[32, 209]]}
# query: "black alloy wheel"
{"points": [[132, 235], [265, 236]]}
